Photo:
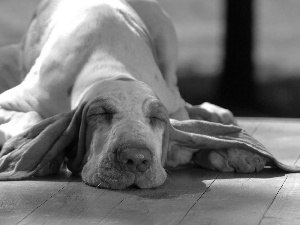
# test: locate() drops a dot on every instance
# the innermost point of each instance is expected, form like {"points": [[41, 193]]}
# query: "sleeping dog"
{"points": [[98, 89]]}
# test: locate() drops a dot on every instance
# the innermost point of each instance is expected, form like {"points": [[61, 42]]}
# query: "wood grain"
{"points": [[77, 203], [18, 199], [286, 206], [236, 199]]}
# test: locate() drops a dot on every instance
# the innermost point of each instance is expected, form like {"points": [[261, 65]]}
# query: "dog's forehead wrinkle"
{"points": [[101, 100]]}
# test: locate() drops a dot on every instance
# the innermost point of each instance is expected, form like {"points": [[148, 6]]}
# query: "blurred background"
{"points": [[242, 55]]}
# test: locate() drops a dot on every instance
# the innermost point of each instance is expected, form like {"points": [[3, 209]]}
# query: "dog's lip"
{"points": [[122, 181], [128, 178]]}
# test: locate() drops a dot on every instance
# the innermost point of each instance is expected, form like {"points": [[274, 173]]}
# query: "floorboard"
{"points": [[236, 199], [18, 199], [286, 206], [167, 204], [189, 196]]}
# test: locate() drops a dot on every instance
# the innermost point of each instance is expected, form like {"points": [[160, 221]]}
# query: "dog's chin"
{"points": [[152, 178], [114, 179], [103, 180]]}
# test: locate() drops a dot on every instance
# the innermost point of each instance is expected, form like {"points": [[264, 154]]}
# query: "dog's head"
{"points": [[125, 136], [120, 135]]}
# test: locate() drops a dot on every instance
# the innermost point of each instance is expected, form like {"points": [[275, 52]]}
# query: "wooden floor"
{"points": [[189, 196]]}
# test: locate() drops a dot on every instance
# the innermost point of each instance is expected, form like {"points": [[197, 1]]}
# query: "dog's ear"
{"points": [[199, 135], [24, 155]]}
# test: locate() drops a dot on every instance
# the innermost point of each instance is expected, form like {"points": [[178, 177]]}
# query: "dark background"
{"points": [[242, 55]]}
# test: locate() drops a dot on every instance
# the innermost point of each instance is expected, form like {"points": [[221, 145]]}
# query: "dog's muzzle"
{"points": [[136, 160], [123, 167]]}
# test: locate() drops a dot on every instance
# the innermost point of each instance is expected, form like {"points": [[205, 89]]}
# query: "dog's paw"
{"points": [[14, 123], [230, 160], [211, 113]]}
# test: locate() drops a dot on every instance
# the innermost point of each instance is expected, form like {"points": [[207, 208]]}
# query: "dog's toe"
{"points": [[219, 162]]}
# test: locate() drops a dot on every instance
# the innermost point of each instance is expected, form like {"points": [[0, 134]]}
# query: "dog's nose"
{"points": [[136, 160]]}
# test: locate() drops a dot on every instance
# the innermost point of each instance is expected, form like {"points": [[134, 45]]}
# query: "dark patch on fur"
{"points": [[69, 91]]}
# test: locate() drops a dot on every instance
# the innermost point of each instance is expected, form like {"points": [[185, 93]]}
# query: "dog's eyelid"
{"points": [[105, 107], [155, 107], [161, 116], [107, 112], [157, 115], [102, 111]]}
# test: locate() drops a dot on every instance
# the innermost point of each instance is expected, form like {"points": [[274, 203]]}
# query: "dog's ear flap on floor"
{"points": [[201, 135], [24, 155]]}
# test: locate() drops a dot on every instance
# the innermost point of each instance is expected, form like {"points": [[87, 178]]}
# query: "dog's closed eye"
{"points": [[156, 113], [104, 111], [156, 120]]}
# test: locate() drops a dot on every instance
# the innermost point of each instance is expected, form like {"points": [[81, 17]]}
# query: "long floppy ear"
{"points": [[202, 135], [24, 155]]}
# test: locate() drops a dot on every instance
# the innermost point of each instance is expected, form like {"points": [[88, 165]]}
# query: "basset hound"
{"points": [[95, 85]]}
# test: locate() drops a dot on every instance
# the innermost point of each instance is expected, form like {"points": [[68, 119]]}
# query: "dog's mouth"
{"points": [[115, 179], [129, 166], [112, 179]]}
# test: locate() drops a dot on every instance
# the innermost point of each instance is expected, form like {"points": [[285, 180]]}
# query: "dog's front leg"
{"points": [[13, 123]]}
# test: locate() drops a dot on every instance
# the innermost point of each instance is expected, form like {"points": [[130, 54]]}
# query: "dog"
{"points": [[98, 89]]}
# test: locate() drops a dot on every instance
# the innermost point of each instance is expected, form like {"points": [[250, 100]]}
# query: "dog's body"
{"points": [[110, 67], [109, 40]]}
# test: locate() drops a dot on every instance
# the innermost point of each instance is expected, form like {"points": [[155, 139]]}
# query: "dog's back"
{"points": [[44, 20]]}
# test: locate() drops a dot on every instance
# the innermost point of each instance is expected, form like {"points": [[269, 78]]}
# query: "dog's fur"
{"points": [[100, 89]]}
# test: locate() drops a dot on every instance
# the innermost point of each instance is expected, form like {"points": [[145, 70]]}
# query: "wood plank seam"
{"points": [[260, 221], [298, 160], [112, 210], [197, 200], [42, 203], [285, 209]]}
